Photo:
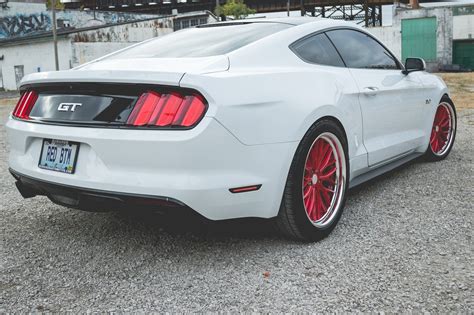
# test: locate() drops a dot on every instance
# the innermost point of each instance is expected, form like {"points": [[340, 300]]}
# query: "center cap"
{"points": [[314, 179]]}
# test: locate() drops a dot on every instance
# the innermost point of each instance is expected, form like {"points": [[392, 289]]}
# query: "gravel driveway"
{"points": [[404, 244]]}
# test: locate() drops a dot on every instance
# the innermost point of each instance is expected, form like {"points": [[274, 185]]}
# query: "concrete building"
{"points": [[26, 44], [442, 35]]}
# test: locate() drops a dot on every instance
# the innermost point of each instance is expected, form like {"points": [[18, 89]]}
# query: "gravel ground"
{"points": [[404, 244]]}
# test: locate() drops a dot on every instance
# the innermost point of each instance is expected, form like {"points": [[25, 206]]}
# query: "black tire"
{"points": [[292, 219], [429, 154]]}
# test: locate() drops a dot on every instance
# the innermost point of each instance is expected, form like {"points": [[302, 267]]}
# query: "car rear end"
{"points": [[127, 134]]}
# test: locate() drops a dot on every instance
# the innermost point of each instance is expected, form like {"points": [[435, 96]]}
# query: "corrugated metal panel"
{"points": [[419, 38], [463, 54]]}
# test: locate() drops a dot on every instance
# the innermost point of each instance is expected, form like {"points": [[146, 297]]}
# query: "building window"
{"points": [[19, 73]]}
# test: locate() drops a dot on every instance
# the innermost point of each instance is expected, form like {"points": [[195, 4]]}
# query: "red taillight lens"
{"points": [[167, 110], [25, 105]]}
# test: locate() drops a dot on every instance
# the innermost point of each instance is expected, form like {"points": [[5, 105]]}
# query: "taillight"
{"points": [[25, 104], [169, 109]]}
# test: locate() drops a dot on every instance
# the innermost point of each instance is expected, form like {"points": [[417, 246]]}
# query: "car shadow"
{"points": [[186, 222]]}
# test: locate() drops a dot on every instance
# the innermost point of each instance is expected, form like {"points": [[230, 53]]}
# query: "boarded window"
{"points": [[19, 73]]}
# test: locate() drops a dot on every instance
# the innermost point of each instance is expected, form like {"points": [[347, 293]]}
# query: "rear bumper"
{"points": [[89, 199], [194, 167]]}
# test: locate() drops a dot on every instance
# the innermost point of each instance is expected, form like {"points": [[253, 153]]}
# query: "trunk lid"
{"points": [[160, 71]]}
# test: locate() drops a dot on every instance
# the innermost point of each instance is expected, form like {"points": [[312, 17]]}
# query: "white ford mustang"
{"points": [[259, 118]]}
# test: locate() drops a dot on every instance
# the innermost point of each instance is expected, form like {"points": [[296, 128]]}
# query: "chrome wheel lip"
{"points": [[336, 201], [452, 130]]}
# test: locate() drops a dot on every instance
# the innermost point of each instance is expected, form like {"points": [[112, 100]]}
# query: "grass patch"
{"points": [[8, 101], [461, 88]]}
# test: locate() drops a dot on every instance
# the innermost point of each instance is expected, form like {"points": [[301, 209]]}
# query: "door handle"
{"points": [[370, 90]]}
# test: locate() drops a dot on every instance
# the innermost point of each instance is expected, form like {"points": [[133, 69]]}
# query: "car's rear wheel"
{"points": [[316, 186], [443, 131]]}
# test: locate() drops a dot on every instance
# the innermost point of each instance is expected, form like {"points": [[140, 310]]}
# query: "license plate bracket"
{"points": [[59, 155]]}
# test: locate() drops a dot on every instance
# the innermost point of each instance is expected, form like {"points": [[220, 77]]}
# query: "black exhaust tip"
{"points": [[26, 191]]}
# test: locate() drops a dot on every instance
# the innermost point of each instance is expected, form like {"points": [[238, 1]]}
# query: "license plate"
{"points": [[59, 155]]}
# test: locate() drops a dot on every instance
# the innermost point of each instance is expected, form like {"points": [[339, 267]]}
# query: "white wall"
{"points": [[90, 45], [85, 52], [463, 27], [390, 36], [22, 19], [32, 56], [77, 48]]}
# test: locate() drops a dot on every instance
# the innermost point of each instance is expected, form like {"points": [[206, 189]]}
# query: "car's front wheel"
{"points": [[316, 187], [443, 131]]}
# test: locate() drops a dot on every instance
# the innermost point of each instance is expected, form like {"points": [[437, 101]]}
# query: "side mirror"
{"points": [[414, 64]]}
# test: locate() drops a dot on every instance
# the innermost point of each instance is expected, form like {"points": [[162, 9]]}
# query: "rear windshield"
{"points": [[202, 41]]}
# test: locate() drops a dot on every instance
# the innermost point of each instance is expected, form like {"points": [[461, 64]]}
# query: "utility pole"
{"points": [[414, 4], [55, 36]]}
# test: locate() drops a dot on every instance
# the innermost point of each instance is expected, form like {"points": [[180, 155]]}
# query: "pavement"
{"points": [[404, 244]]}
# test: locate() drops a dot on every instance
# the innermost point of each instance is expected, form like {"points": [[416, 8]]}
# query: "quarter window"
{"points": [[359, 50], [318, 49]]}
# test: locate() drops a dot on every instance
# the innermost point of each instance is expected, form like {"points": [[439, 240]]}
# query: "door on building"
{"points": [[463, 54], [419, 38], [19, 73]]}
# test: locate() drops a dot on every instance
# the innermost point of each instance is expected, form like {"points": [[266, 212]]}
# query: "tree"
{"points": [[218, 10], [236, 8], [59, 4]]}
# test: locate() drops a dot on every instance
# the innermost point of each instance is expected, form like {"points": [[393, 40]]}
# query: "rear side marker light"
{"points": [[25, 105], [167, 110], [245, 189]]}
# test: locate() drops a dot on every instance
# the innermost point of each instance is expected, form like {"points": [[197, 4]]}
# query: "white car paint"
{"points": [[262, 100], [392, 111]]}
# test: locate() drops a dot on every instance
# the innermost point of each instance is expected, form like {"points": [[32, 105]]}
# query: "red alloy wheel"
{"points": [[442, 131], [322, 182]]}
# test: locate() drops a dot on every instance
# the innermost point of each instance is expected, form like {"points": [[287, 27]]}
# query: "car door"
{"points": [[392, 103]]}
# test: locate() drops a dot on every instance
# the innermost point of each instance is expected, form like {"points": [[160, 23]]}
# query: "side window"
{"points": [[318, 49], [361, 51]]}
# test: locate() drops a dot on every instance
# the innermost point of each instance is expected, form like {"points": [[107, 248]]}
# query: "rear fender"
{"points": [[266, 106]]}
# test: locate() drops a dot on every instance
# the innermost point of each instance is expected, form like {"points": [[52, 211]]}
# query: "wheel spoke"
{"points": [[330, 173], [315, 206], [326, 157], [324, 200], [444, 122], [329, 190], [307, 192], [308, 200], [315, 154]]}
